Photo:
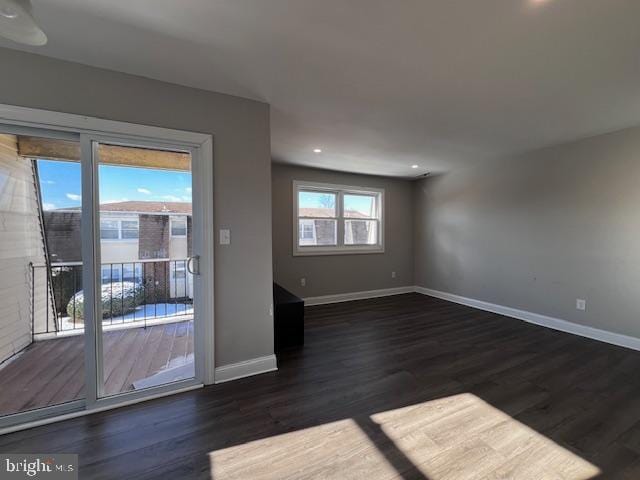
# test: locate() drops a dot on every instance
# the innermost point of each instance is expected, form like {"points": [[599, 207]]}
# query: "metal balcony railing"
{"points": [[133, 294]]}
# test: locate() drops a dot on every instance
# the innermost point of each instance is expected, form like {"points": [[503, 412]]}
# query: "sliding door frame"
{"points": [[91, 131], [91, 214]]}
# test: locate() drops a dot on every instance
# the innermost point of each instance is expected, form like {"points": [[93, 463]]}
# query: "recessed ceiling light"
{"points": [[414, 166], [17, 23], [317, 150]]}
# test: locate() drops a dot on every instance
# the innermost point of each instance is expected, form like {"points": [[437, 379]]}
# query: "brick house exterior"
{"points": [[62, 232]]}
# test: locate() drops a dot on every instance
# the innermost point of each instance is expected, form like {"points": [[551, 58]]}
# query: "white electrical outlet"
{"points": [[225, 236], [581, 304], [303, 282], [393, 274]]}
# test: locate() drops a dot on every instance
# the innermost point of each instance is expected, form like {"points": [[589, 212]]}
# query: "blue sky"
{"points": [[360, 203], [61, 185]]}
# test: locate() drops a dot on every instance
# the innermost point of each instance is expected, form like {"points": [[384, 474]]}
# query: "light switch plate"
{"points": [[225, 236]]}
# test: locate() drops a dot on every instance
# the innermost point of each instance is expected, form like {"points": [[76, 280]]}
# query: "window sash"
{"points": [[336, 195], [336, 232], [111, 230], [377, 232], [340, 245], [374, 197], [178, 227]]}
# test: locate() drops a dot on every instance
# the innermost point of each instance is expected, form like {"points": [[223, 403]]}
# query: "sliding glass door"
{"points": [[145, 267], [42, 342], [102, 250]]}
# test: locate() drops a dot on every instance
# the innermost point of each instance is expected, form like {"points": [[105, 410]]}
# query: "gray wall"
{"points": [[242, 164], [333, 274], [538, 231]]}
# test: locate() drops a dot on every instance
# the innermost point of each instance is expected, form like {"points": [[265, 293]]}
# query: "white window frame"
{"points": [[119, 219], [89, 131], [340, 191], [178, 218]]}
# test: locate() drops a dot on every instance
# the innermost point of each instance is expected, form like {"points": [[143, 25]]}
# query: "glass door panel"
{"points": [[144, 213], [42, 334]]}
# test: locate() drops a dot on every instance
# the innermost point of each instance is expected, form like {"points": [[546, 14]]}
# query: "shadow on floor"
{"points": [[431, 370]]}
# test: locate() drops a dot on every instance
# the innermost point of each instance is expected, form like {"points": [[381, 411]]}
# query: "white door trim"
{"points": [[50, 120], [201, 147]]}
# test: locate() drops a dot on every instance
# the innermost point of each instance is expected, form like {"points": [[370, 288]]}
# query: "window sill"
{"points": [[119, 240], [319, 251]]}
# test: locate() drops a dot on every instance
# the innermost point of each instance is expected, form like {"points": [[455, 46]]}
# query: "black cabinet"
{"points": [[288, 319]]}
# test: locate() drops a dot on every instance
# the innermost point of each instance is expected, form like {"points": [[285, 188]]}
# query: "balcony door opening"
{"points": [[42, 349], [146, 267], [105, 248]]}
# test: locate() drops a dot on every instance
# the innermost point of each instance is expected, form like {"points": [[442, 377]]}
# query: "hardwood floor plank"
{"points": [[403, 387], [51, 372]]}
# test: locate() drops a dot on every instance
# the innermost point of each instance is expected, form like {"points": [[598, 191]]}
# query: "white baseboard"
{"points": [[348, 297], [255, 366], [535, 318]]}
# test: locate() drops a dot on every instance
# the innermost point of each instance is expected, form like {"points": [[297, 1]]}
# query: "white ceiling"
{"points": [[380, 85]]}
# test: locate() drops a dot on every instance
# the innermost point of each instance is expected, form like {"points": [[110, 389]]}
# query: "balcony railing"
{"points": [[133, 294]]}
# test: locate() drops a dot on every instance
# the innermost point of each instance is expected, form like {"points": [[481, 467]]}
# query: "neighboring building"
{"points": [[140, 241], [320, 228]]}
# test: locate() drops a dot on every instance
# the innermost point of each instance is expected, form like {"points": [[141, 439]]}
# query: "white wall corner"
{"points": [[247, 368], [605, 336], [348, 297]]}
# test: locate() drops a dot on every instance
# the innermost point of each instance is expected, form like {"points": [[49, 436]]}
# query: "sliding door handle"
{"points": [[193, 265]]}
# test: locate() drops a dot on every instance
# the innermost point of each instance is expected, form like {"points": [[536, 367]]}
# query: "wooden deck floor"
{"points": [[397, 388], [51, 372]]}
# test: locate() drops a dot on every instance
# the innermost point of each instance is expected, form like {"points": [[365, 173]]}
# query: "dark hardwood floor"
{"points": [[51, 372], [404, 387]]}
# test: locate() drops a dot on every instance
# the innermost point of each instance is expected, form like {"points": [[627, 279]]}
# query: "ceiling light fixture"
{"points": [[317, 150], [414, 166], [17, 23]]}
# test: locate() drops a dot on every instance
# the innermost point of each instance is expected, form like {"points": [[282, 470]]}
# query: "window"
{"points": [[307, 232], [109, 229], [119, 229], [178, 226], [128, 229], [334, 219]]}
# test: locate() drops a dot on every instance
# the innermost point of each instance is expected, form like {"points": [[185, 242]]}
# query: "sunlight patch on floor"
{"points": [[331, 450], [463, 436], [451, 438]]}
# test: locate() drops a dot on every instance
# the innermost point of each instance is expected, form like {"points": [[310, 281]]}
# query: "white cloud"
{"points": [[144, 190], [49, 206], [171, 198], [188, 189], [49, 182], [74, 196], [186, 199]]}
